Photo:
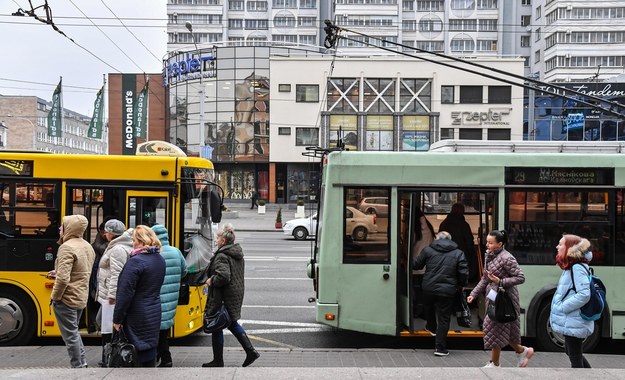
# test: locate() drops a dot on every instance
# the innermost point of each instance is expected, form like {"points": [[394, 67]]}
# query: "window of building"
{"points": [[257, 6], [471, 94], [526, 2], [486, 45], [284, 131], [307, 93], [537, 35], [284, 88], [470, 133], [463, 4], [499, 94], [487, 25], [415, 95], [526, 20], [345, 128], [433, 24], [447, 94], [252, 24], [447, 133], [486, 4], [307, 21], [462, 43], [307, 39], [415, 136], [409, 25], [308, 4], [407, 5], [279, 4], [525, 41], [537, 56], [436, 46], [306, 136], [430, 5], [236, 5], [463, 24], [499, 134], [379, 133], [284, 21], [284, 38], [235, 23], [539, 12]]}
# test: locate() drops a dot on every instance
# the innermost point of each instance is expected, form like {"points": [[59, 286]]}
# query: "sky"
{"points": [[34, 56]]}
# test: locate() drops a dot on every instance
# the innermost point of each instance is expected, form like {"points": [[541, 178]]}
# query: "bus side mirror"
{"points": [[216, 206]]}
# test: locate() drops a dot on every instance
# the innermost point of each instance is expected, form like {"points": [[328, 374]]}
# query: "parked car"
{"points": [[358, 225], [374, 205]]}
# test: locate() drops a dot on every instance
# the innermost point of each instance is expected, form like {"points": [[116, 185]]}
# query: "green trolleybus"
{"points": [[535, 191]]}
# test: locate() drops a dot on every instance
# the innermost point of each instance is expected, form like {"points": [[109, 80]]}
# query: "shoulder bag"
{"points": [[502, 310], [217, 321]]}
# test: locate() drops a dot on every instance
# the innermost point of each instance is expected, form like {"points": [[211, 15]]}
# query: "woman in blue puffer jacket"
{"points": [[565, 314]]}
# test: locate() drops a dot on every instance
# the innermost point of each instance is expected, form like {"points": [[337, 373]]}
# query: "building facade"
{"points": [[26, 122], [260, 106]]}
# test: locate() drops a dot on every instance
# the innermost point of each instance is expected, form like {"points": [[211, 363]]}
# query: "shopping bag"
{"points": [[217, 321], [502, 310], [119, 352], [463, 313]]}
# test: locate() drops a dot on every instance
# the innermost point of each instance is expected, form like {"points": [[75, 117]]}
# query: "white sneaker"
{"points": [[491, 365], [525, 356]]}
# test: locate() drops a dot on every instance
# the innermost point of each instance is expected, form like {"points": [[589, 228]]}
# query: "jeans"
{"points": [[438, 313], [68, 319], [218, 336], [574, 349]]}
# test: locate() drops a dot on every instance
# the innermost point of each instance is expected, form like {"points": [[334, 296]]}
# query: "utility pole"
{"points": [[189, 27]]}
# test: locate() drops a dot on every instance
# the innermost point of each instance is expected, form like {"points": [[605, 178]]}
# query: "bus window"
{"points": [[537, 220], [366, 226]]}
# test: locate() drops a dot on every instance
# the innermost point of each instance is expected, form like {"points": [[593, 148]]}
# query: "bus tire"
{"points": [[359, 234], [300, 233], [18, 320], [548, 340]]}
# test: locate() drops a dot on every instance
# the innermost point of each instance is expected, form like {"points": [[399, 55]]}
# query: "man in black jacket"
{"points": [[446, 272]]}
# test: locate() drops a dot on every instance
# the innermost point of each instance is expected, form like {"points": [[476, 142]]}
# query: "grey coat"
{"points": [[226, 270]]}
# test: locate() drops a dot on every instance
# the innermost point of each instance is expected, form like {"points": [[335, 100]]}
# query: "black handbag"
{"points": [[502, 310], [217, 321], [463, 313], [119, 352]]}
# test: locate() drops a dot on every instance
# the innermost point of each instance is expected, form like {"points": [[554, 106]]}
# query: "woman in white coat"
{"points": [[111, 264]]}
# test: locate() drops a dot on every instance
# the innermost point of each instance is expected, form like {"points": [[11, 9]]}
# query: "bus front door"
{"points": [[147, 208]]}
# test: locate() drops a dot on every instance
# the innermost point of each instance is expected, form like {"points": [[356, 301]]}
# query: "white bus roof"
{"points": [[522, 146]]}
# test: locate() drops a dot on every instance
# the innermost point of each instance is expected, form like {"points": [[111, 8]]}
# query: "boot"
{"points": [[251, 353], [106, 338], [218, 356]]}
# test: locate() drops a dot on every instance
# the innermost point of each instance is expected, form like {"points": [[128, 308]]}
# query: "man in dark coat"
{"points": [[446, 272], [458, 227], [254, 200]]}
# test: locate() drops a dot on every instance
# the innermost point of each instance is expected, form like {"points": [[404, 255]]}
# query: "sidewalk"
{"points": [[51, 362], [245, 219]]}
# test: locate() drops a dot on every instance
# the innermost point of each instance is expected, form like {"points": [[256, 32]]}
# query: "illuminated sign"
{"points": [[494, 116], [560, 176], [19, 168], [184, 66]]}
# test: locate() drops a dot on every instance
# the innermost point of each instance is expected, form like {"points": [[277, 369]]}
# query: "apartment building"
{"points": [[25, 121]]}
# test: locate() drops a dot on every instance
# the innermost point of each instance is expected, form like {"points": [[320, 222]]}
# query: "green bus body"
{"points": [[367, 286]]}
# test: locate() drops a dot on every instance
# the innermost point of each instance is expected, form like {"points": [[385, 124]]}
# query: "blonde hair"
{"points": [[227, 232], [145, 237]]}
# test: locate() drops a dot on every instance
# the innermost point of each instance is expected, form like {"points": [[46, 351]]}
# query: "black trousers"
{"points": [[574, 348], [438, 309], [162, 350]]}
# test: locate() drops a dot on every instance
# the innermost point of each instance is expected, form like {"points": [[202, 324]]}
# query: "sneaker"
{"points": [[441, 353], [525, 356], [491, 365], [430, 331]]}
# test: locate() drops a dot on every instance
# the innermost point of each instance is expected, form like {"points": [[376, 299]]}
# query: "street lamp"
{"points": [[34, 128], [189, 27]]}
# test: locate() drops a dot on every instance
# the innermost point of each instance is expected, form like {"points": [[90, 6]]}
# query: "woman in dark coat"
{"points": [[226, 285], [138, 304], [501, 270]]}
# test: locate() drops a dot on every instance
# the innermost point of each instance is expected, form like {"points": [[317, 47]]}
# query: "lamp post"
{"points": [[189, 27], [531, 103], [34, 128]]}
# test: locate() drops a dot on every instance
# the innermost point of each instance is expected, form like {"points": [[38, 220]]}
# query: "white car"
{"points": [[358, 225]]}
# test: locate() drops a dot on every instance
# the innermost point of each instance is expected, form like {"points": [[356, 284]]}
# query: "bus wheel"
{"points": [[549, 340], [359, 234], [17, 318], [300, 233]]}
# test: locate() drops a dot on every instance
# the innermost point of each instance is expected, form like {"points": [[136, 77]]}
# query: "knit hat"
{"points": [[161, 233], [115, 227]]}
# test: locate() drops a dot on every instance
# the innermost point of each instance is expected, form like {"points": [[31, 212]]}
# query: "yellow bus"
{"points": [[38, 189]]}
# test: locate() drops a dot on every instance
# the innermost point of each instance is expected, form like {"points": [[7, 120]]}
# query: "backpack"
{"points": [[593, 309]]}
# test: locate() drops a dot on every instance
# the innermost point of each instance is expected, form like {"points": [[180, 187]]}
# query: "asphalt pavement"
{"points": [[51, 362]]}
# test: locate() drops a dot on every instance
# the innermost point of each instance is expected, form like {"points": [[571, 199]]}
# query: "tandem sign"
{"points": [[182, 67]]}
